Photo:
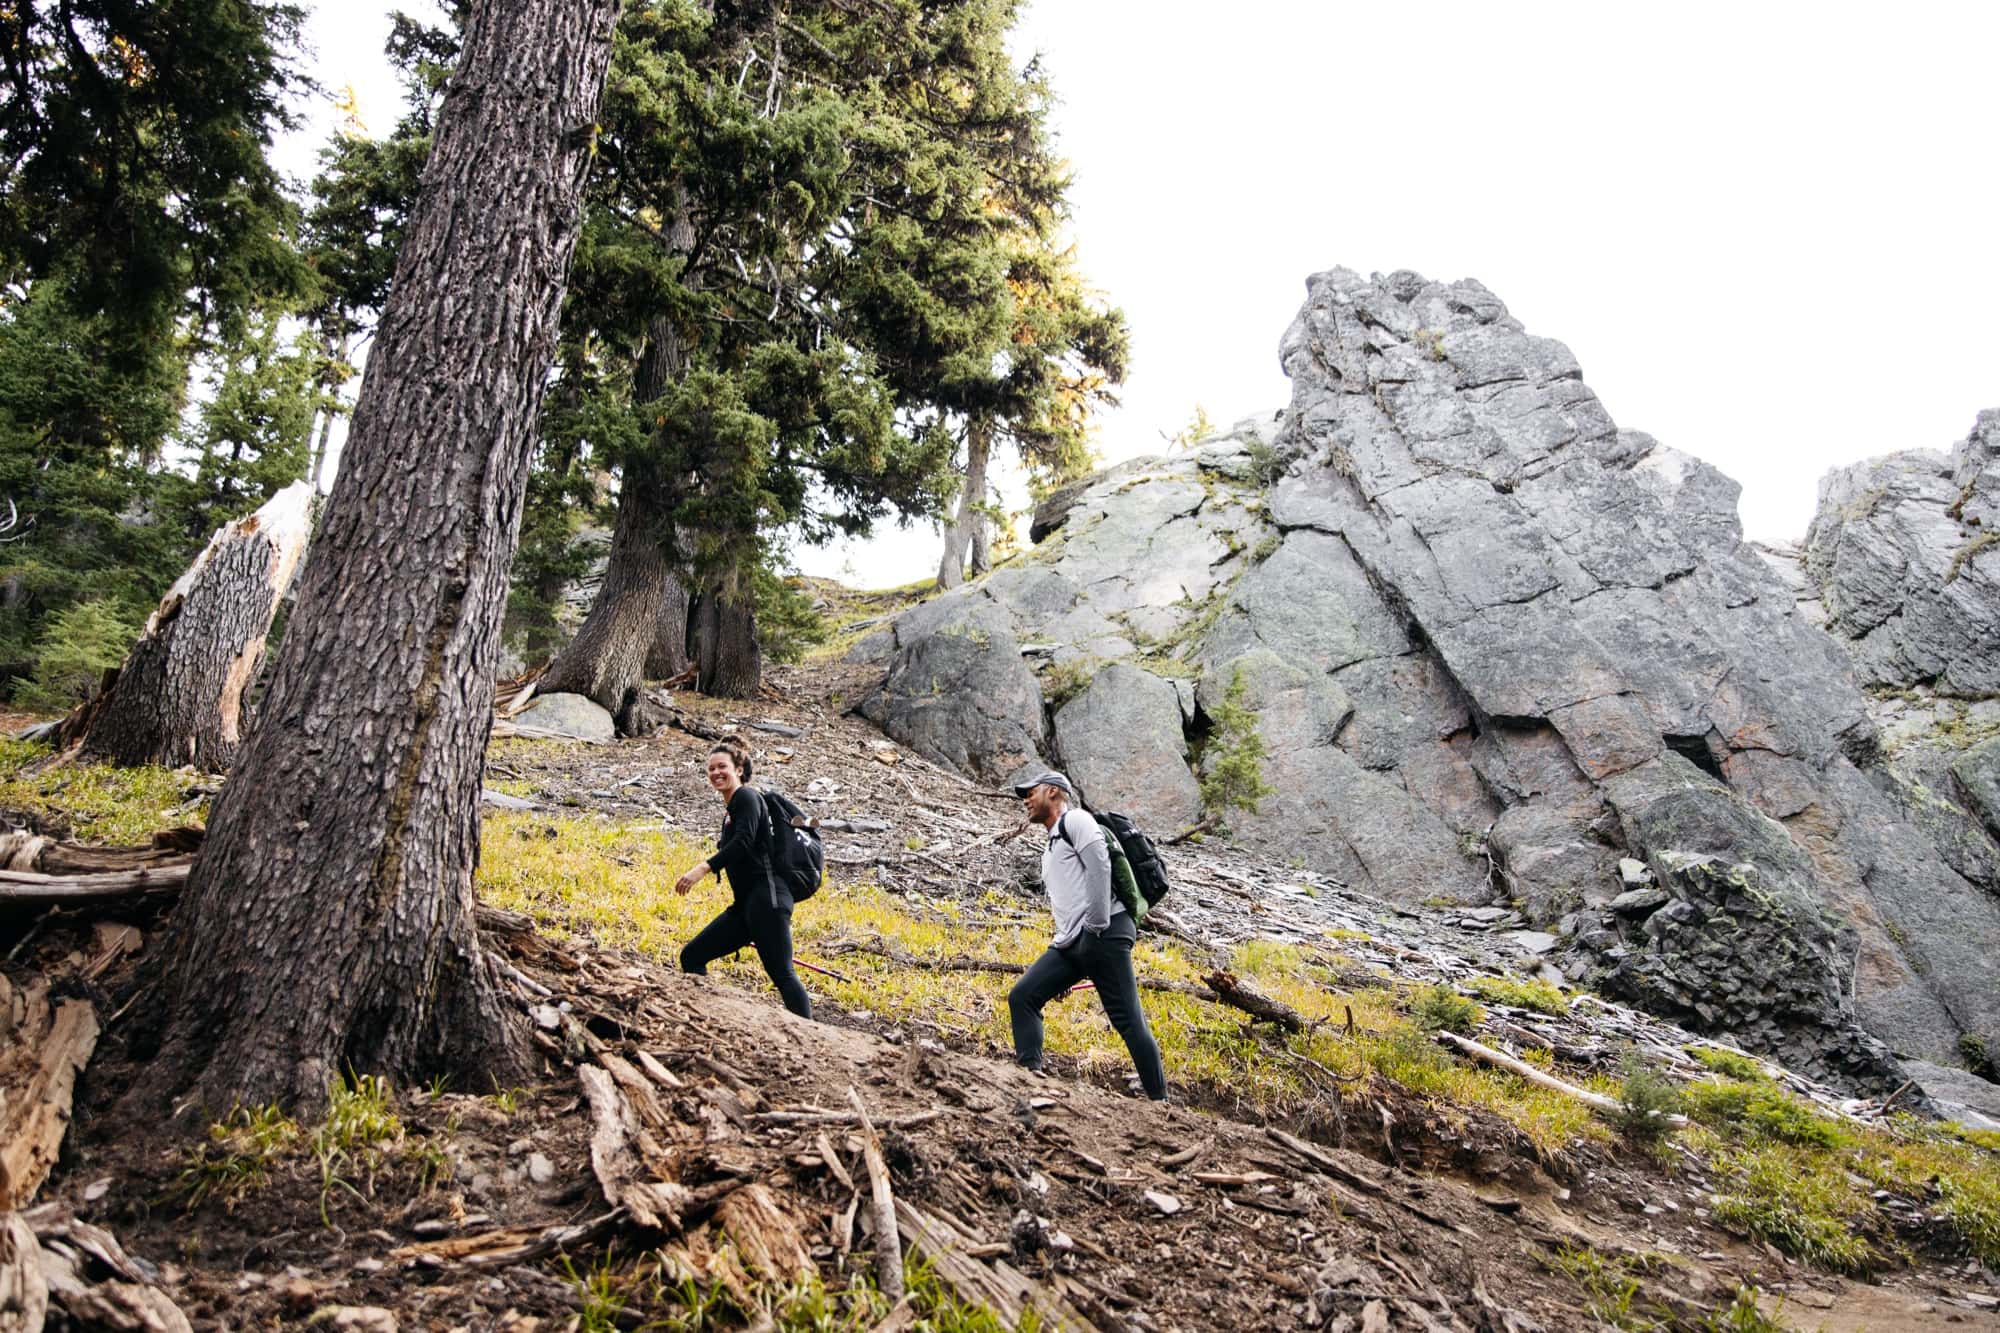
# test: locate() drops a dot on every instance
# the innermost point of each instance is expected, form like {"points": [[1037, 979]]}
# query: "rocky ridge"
{"points": [[1499, 650]]}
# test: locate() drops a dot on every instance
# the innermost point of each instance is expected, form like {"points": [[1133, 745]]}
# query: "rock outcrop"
{"points": [[1494, 647]]}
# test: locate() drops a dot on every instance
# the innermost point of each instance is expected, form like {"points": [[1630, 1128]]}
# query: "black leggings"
{"points": [[1107, 960], [753, 922]]}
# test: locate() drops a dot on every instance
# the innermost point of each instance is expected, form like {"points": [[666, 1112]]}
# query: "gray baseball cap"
{"points": [[1055, 780]]}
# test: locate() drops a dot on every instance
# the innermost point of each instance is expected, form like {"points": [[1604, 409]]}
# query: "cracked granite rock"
{"points": [[1494, 646]]}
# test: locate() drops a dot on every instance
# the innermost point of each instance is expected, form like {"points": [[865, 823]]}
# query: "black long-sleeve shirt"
{"points": [[744, 850]]}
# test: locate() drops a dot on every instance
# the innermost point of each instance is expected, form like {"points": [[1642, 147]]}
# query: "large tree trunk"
{"points": [[727, 659], [967, 528], [979, 453], [607, 658], [668, 656], [328, 924], [179, 696], [626, 638]]}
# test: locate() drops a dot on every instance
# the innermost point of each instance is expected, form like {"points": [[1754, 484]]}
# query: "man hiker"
{"points": [[1094, 934]]}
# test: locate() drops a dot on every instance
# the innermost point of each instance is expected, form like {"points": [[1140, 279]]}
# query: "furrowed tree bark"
{"points": [[727, 660], [628, 634], [328, 924], [607, 658], [179, 696]]}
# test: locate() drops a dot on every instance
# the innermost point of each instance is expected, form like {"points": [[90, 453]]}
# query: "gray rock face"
{"points": [[1976, 773], [958, 693], [1494, 645], [1123, 745], [1908, 567], [567, 715]]}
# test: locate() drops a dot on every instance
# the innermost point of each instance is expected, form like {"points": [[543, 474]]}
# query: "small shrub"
{"points": [[1776, 1114], [1645, 1100], [1972, 1049], [1536, 995], [1731, 1064], [1233, 762], [789, 624], [1742, 1315], [1719, 1103], [1442, 1009], [1788, 1197], [1063, 681], [79, 645], [1609, 1286], [238, 1156]]}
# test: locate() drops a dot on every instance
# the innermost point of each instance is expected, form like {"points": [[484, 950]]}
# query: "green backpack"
{"points": [[1124, 884]]}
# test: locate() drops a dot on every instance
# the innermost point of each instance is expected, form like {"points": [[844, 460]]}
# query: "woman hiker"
{"points": [[760, 911], [1094, 934]]}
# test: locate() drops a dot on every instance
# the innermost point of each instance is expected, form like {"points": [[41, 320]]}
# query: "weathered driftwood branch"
{"points": [[1326, 1162], [888, 1246], [24, 1292], [1595, 1100], [817, 1117], [44, 1055], [46, 1252], [1001, 1288], [27, 888], [507, 1246]]}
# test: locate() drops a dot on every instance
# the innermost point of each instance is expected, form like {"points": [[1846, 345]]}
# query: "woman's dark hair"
{"points": [[738, 751]]}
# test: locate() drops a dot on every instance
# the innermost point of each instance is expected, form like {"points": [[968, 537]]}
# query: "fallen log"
{"points": [[768, 1240], [617, 1160], [1597, 1101], [1239, 993], [35, 1114]]}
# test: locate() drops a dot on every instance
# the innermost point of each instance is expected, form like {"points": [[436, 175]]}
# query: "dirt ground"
{"points": [[1375, 1213]]}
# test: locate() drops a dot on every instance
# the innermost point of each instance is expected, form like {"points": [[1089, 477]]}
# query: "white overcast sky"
{"points": [[1769, 231]]}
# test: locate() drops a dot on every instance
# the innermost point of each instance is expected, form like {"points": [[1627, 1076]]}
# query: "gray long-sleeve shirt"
{"points": [[1076, 873]]}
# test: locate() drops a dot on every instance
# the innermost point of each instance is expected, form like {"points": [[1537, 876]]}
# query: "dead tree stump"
{"points": [[179, 696]]}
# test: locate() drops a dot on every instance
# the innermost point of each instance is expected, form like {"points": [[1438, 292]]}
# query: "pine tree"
{"points": [[796, 243], [138, 135], [82, 438], [253, 432], [328, 923]]}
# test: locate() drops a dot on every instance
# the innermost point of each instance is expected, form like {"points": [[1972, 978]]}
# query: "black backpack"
{"points": [[798, 861], [1143, 881]]}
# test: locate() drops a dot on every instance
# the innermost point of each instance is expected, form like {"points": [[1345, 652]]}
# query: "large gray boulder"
{"points": [[566, 717], [1493, 645], [1908, 569], [1122, 743], [1977, 777], [958, 693]]}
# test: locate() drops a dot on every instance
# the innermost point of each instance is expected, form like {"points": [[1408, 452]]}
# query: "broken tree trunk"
{"points": [[179, 696]]}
